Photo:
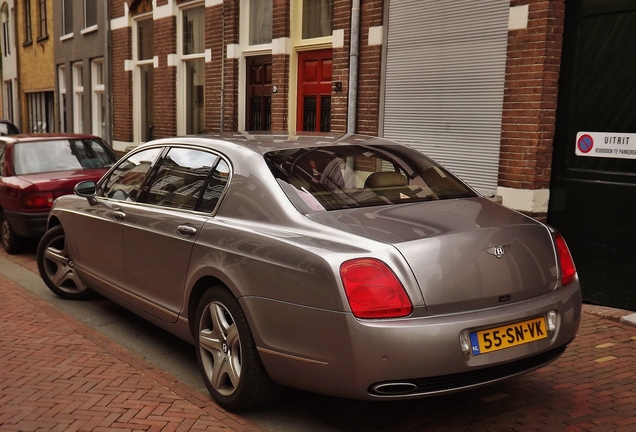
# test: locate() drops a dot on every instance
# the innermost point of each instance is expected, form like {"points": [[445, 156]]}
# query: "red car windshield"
{"points": [[339, 177], [60, 155]]}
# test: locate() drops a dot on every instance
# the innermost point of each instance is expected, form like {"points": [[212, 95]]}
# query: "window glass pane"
{"points": [[180, 178], [215, 187], [334, 178], [126, 180], [147, 114], [260, 22], [317, 18], [67, 5], [90, 11], [59, 155], [145, 35], [195, 99], [194, 30]]}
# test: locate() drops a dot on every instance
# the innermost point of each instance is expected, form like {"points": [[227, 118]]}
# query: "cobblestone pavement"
{"points": [[58, 374]]}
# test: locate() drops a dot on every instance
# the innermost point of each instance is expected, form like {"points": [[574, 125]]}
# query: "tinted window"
{"points": [[215, 186], [180, 178], [60, 155], [338, 177], [126, 181]]}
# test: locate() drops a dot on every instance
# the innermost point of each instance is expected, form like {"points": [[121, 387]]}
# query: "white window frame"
{"points": [[182, 59], [62, 103], [97, 96], [78, 97], [137, 64], [247, 50]]}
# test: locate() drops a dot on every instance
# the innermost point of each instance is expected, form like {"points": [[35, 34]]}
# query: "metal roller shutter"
{"points": [[444, 82]]}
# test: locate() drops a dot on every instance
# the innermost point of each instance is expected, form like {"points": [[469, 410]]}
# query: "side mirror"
{"points": [[86, 189]]}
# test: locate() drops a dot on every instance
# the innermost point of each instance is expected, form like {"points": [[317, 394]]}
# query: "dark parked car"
{"points": [[38, 168], [352, 266], [8, 128]]}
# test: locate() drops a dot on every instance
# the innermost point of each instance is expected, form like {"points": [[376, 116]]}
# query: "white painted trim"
{"points": [[121, 145], [338, 38], [165, 11], [121, 22], [172, 60], [518, 18], [89, 29], [376, 35], [528, 200], [233, 51], [66, 37], [155, 62], [210, 3], [281, 46], [129, 65], [208, 55]]}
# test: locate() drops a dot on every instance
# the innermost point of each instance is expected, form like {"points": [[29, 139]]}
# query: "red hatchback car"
{"points": [[34, 170]]}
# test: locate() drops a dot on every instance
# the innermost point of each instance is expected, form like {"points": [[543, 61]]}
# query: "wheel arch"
{"points": [[202, 285]]}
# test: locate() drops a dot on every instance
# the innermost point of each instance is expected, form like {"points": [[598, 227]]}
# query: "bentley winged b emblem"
{"points": [[497, 251]]}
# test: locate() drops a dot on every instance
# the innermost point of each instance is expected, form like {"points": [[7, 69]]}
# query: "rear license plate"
{"points": [[508, 336]]}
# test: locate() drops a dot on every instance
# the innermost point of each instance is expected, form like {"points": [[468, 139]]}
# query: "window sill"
{"points": [[66, 37], [42, 38], [27, 43], [90, 29]]}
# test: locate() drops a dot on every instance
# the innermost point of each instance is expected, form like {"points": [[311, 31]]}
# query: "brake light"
{"points": [[38, 201], [568, 271], [373, 290]]}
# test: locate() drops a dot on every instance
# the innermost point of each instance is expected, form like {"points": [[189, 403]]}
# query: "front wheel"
{"points": [[10, 240], [57, 268], [227, 355]]}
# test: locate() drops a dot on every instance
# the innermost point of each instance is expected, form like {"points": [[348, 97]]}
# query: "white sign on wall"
{"points": [[606, 144]]}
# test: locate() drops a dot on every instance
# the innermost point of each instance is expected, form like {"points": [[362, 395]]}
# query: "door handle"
{"points": [[119, 215], [186, 230]]}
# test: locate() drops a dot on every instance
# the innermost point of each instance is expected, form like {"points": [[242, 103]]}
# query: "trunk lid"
{"points": [[466, 254]]}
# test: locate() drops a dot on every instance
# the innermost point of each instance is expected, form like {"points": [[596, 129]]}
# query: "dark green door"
{"points": [[593, 199]]}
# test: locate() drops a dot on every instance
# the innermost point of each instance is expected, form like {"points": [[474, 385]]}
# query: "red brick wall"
{"points": [[213, 42], [280, 66], [230, 84], [165, 77], [369, 69], [121, 40], [530, 96], [340, 71]]}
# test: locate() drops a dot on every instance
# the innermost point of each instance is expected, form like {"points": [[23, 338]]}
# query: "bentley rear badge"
{"points": [[497, 251]]}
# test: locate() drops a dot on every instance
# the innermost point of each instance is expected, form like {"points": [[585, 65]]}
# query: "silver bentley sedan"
{"points": [[350, 266]]}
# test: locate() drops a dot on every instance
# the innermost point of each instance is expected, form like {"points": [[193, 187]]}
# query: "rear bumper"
{"points": [[27, 224], [336, 354]]}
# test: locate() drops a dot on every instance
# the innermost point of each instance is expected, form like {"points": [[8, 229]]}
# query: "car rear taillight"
{"points": [[373, 290], [568, 271], [38, 201]]}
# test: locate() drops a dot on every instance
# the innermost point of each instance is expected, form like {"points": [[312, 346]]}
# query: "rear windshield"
{"points": [[60, 155], [340, 177]]}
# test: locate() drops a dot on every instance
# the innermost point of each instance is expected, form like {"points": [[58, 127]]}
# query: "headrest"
{"points": [[385, 179]]}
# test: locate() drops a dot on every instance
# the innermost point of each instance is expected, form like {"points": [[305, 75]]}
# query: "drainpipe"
{"points": [[107, 73], [354, 54], [222, 68]]}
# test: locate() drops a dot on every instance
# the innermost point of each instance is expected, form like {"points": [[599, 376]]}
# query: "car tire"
{"points": [[56, 267], [10, 240], [228, 359]]}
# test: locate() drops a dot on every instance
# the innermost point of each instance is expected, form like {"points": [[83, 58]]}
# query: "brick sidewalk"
{"points": [[60, 375]]}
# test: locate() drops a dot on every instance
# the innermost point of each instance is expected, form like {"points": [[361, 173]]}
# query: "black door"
{"points": [[593, 199], [259, 93]]}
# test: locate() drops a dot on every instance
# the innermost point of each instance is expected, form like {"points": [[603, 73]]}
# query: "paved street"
{"points": [[60, 374]]}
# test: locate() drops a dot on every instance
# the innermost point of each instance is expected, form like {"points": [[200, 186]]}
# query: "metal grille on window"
{"points": [[261, 115], [325, 114], [309, 114], [40, 112], [268, 113]]}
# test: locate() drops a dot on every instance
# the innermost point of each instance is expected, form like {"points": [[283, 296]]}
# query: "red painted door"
{"points": [[314, 91], [259, 93]]}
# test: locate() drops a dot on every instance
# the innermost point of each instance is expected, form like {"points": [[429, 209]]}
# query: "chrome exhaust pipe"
{"points": [[393, 389]]}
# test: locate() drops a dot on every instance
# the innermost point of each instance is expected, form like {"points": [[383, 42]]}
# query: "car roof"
{"points": [[45, 137], [264, 142]]}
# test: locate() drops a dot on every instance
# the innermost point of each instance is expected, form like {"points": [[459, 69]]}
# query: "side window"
{"points": [[180, 178], [127, 179], [215, 187]]}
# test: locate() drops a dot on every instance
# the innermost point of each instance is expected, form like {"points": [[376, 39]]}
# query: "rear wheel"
{"points": [[57, 268], [227, 355], [10, 240]]}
